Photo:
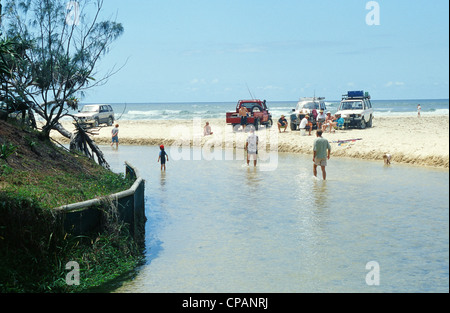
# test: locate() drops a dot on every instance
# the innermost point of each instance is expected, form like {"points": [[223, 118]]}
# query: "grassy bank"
{"points": [[36, 176]]}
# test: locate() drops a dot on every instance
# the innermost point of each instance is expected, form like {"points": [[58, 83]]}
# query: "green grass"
{"points": [[34, 259], [36, 177], [64, 188], [33, 248]]}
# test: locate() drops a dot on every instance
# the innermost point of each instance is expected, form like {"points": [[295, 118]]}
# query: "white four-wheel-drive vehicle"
{"points": [[95, 114], [356, 109], [307, 106]]}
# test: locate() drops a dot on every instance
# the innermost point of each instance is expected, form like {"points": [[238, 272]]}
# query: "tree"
{"points": [[63, 43], [11, 54]]}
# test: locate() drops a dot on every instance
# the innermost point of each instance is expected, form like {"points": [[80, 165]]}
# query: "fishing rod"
{"points": [[251, 95], [123, 112]]}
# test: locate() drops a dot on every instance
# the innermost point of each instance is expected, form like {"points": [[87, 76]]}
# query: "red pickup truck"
{"points": [[258, 114]]}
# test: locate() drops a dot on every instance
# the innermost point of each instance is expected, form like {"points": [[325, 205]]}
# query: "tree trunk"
{"points": [[32, 118], [45, 133], [80, 141], [60, 129]]}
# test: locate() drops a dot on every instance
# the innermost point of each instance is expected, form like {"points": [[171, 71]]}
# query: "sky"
{"points": [[278, 50]]}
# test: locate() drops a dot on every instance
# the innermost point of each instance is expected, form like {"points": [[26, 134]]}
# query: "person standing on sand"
{"points": [[115, 136], [322, 152], [243, 113], [163, 157], [419, 108]]}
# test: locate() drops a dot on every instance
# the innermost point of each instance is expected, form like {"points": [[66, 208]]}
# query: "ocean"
{"points": [[222, 227], [212, 110]]}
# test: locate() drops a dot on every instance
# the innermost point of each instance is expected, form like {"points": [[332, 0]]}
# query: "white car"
{"points": [[306, 106], [96, 114], [356, 109]]}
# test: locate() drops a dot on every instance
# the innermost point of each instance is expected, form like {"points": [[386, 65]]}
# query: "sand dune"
{"points": [[418, 141]]}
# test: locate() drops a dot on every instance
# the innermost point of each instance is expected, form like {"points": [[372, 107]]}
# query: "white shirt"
{"points": [[252, 144], [303, 123], [321, 116]]}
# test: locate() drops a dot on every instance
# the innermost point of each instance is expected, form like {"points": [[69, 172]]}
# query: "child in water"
{"points": [[163, 157]]}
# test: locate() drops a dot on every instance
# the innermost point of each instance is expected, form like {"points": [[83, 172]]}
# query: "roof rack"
{"points": [[359, 94]]}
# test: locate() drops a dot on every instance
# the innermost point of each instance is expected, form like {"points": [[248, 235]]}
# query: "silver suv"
{"points": [[95, 114]]}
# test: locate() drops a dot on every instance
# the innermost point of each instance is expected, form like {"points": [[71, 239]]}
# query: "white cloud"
{"points": [[390, 84]]}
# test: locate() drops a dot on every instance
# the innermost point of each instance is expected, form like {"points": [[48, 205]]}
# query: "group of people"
{"points": [[322, 149], [324, 121]]}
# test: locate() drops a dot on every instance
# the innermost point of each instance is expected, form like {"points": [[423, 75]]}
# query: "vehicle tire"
{"points": [[110, 121], [293, 126], [235, 127], [268, 124], [370, 123], [256, 107], [363, 124]]}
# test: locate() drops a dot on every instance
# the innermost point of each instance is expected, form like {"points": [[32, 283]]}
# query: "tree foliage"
{"points": [[58, 47]]}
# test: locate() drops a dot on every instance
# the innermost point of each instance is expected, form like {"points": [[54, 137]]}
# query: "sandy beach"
{"points": [[411, 140]]}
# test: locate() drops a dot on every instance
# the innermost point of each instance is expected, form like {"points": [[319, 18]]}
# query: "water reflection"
{"points": [[253, 178], [320, 194], [163, 181]]}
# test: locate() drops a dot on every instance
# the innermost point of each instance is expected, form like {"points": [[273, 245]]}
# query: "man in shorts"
{"points": [[322, 151], [282, 123], [252, 147], [243, 113], [115, 136]]}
